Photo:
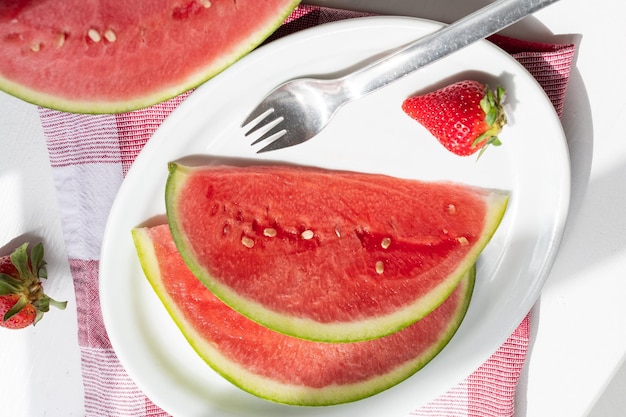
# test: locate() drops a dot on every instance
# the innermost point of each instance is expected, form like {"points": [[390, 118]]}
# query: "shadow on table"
{"points": [[612, 403]]}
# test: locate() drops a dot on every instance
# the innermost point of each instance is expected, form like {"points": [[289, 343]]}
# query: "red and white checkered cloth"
{"points": [[90, 155]]}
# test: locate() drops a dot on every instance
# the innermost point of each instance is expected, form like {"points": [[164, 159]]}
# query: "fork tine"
{"points": [[263, 126], [270, 134], [266, 129], [258, 122], [259, 113], [280, 142]]}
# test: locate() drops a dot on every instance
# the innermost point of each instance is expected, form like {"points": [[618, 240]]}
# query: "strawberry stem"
{"points": [[495, 118]]}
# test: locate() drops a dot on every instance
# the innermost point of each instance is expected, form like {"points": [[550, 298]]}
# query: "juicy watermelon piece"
{"points": [[305, 372], [327, 255], [109, 56]]}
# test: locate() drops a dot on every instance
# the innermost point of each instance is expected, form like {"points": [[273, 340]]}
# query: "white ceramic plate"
{"points": [[372, 135]]}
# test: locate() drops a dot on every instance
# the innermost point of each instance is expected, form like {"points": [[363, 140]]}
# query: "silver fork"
{"points": [[301, 108]]}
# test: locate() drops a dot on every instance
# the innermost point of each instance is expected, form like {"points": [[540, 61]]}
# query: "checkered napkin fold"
{"points": [[90, 155]]}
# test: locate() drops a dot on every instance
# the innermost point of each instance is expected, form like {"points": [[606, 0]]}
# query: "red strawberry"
{"points": [[465, 116], [22, 300], [23, 318]]}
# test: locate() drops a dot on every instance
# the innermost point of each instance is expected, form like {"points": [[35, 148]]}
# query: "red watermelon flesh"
{"points": [[108, 56], [282, 368], [327, 255]]}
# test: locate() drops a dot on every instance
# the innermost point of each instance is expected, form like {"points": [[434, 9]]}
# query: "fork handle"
{"points": [[430, 48]]}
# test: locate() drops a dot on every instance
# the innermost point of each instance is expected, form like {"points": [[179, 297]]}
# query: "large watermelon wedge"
{"points": [[281, 368], [327, 255], [106, 56]]}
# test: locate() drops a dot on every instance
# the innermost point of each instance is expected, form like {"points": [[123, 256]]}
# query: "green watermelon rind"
{"points": [[204, 74], [274, 391], [304, 328]]}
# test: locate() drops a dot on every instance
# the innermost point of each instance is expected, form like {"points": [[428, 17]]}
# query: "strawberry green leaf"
{"points": [[36, 260], [479, 139], [485, 105], [19, 305], [43, 304], [500, 93], [491, 116], [495, 141], [38, 317], [19, 258], [9, 285]]}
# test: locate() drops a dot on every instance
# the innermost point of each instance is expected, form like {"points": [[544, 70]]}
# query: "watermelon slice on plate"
{"points": [[328, 255], [110, 56], [281, 368]]}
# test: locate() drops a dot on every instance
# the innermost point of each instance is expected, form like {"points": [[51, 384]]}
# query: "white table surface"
{"points": [[575, 366]]}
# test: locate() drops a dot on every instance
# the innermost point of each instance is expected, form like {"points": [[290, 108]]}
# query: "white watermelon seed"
{"points": [[451, 208], [61, 39], [94, 35], [35, 47], [109, 35], [307, 234], [386, 242], [463, 240], [380, 267], [269, 232], [338, 233], [247, 242], [205, 3]]}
